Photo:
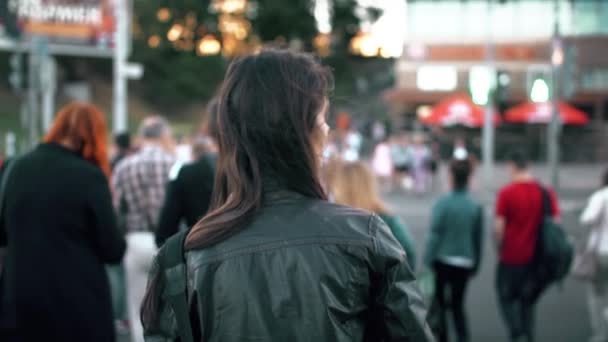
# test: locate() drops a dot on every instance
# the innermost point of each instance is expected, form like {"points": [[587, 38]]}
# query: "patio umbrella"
{"points": [[531, 112], [457, 110]]}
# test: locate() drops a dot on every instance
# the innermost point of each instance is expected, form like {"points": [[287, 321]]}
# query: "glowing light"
{"points": [[540, 91], [240, 33], [154, 41], [386, 52], [230, 6], [423, 112], [163, 14], [175, 32], [437, 78], [557, 57], [482, 80], [209, 45], [322, 43], [363, 44]]}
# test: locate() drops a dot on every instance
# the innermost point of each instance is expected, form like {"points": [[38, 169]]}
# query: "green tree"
{"points": [[175, 76]]}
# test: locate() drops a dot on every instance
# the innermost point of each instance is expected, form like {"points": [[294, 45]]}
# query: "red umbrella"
{"points": [[457, 110], [531, 112]]}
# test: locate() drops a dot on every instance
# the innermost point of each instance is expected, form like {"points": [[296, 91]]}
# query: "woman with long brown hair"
{"points": [[58, 224], [273, 260], [355, 185]]}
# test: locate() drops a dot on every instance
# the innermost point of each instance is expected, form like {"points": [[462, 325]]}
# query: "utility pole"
{"points": [[119, 113], [488, 123], [36, 46], [557, 57], [48, 84]]}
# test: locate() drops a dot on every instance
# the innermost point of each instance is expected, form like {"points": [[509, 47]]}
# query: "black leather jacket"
{"points": [[304, 270]]}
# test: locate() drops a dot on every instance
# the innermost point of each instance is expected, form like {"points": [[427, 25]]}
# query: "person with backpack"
{"points": [[273, 260], [521, 209]]}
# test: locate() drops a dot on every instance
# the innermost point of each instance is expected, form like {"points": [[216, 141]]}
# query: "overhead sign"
{"points": [[66, 22]]}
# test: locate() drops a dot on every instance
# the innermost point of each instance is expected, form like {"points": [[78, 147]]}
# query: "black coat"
{"points": [[188, 198], [60, 229]]}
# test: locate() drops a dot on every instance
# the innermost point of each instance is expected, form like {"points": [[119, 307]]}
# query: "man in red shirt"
{"points": [[519, 211]]}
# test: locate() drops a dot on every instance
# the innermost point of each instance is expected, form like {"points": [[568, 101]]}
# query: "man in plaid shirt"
{"points": [[139, 183]]}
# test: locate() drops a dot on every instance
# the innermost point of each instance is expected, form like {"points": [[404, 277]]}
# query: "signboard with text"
{"points": [[89, 23]]}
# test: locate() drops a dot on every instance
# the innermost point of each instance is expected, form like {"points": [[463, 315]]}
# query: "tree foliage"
{"points": [[179, 76]]}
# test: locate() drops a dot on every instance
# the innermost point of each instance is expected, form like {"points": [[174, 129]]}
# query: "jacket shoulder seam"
{"points": [[281, 244]]}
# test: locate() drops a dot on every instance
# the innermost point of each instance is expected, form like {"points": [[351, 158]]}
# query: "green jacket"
{"points": [[456, 229], [303, 270], [402, 234]]}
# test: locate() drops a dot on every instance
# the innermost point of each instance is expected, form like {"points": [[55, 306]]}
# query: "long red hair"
{"points": [[84, 126]]}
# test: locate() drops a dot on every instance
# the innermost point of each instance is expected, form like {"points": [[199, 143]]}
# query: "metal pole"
{"points": [[119, 122], [554, 126], [488, 124], [49, 82], [11, 140], [33, 84]]}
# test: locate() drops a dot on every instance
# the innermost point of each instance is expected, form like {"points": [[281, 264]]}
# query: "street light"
{"points": [[163, 14], [209, 45], [175, 32], [154, 41], [540, 91]]}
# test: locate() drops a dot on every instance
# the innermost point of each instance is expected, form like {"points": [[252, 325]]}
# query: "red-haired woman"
{"points": [[59, 227]]}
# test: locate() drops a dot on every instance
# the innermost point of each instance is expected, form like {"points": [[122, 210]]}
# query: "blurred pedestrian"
{"points": [[356, 187], [139, 184], [596, 216], [402, 160], [122, 143], [519, 214], [59, 224], [454, 249], [421, 158], [382, 164], [189, 194], [273, 260], [116, 273]]}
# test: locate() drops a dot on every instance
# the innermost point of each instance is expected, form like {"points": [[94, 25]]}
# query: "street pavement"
{"points": [[562, 314]]}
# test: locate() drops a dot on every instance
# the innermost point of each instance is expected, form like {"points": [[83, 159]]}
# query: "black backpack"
{"points": [[554, 250]]}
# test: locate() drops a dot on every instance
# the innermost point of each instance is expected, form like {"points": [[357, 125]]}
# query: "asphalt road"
{"points": [[562, 313]]}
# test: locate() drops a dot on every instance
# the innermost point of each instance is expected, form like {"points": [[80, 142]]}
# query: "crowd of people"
{"points": [[252, 232]]}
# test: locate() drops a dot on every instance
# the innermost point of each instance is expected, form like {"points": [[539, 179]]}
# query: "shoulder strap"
{"points": [[173, 268], [547, 206]]}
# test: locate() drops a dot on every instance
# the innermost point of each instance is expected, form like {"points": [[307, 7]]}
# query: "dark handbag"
{"points": [[554, 250]]}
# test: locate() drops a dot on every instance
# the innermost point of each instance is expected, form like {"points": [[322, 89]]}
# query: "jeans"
{"points": [[517, 295], [141, 250], [450, 287]]}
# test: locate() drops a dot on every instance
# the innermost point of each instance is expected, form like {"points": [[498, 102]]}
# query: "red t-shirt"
{"points": [[520, 204]]}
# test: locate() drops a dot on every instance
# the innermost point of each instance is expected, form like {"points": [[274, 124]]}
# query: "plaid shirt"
{"points": [[139, 183]]}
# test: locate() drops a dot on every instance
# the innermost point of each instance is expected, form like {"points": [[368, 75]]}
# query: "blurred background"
{"points": [[394, 60], [482, 75]]}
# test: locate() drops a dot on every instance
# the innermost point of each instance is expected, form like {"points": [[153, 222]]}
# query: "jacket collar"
{"points": [[274, 193]]}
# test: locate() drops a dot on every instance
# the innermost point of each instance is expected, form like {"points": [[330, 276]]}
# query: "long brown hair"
{"points": [[84, 126], [354, 185], [266, 118], [267, 129]]}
